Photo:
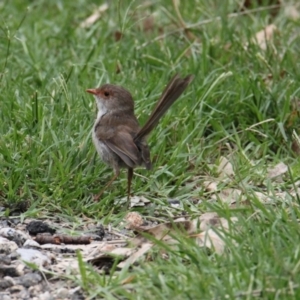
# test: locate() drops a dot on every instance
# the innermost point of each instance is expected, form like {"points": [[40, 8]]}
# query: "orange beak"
{"points": [[92, 91]]}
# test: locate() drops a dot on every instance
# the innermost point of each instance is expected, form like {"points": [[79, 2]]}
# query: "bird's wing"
{"points": [[120, 141]]}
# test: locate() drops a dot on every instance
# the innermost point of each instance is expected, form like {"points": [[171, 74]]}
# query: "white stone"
{"points": [[34, 256], [6, 246]]}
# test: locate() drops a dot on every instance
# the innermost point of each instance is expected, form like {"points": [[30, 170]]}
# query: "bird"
{"points": [[118, 138]]}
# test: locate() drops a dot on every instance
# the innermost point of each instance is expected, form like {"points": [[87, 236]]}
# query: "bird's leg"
{"points": [[117, 173], [129, 179]]}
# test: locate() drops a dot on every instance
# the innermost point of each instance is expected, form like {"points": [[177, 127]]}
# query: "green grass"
{"points": [[47, 158]]}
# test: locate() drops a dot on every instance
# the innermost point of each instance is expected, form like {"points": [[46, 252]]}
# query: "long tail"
{"points": [[173, 90]]}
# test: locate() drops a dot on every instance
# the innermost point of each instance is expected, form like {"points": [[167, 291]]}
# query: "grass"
{"points": [[243, 103]]}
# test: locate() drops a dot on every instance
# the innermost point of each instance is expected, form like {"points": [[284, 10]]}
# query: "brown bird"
{"points": [[117, 135]]}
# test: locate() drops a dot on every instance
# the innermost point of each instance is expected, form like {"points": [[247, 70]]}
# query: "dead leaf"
{"points": [[148, 23], [65, 265], [166, 231], [295, 192], [95, 16], [206, 221], [161, 231], [263, 37], [136, 255], [229, 196], [101, 256], [210, 186], [263, 198], [225, 168], [292, 12], [278, 170], [211, 219], [211, 240], [118, 35], [103, 259], [267, 198], [128, 279], [208, 237], [89, 251], [94, 252]]}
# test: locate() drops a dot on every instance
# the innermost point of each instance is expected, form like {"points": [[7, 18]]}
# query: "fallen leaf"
{"points": [[128, 279], [92, 253], [200, 228], [117, 253], [211, 240], [95, 16], [165, 232], [65, 266], [278, 170], [263, 37], [292, 12], [161, 231], [148, 23], [136, 255], [270, 198], [212, 219], [229, 196], [263, 198], [208, 237], [210, 186], [118, 35], [206, 221], [225, 168]]}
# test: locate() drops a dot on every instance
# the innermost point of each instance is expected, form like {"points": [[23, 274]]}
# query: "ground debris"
{"points": [[62, 239], [36, 227], [21, 254]]}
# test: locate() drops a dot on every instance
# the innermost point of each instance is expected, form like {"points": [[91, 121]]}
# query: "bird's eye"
{"points": [[106, 94]]}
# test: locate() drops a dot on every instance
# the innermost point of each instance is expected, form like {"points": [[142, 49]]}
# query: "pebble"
{"points": [[31, 244], [62, 293], [9, 271], [45, 296], [4, 259], [14, 235], [13, 221], [29, 279], [20, 291], [34, 256], [35, 289], [6, 246], [5, 296], [4, 284], [20, 267]]}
